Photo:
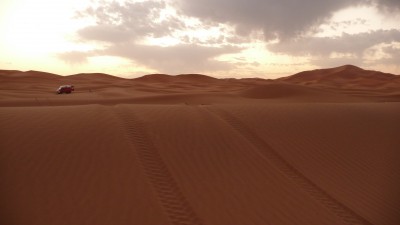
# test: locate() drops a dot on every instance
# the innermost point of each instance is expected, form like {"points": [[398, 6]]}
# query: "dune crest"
{"points": [[342, 74]]}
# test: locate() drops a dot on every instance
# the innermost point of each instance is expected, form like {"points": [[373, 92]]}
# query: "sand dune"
{"points": [[314, 148], [347, 72], [343, 76], [294, 92], [342, 84], [161, 78]]}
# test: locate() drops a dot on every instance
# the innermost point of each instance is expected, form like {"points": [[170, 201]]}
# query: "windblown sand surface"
{"points": [[320, 147]]}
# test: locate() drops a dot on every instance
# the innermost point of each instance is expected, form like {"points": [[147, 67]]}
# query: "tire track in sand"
{"points": [[170, 196], [267, 152]]}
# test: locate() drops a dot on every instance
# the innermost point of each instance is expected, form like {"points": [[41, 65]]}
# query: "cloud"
{"points": [[201, 31], [346, 49], [337, 61], [120, 22], [74, 57], [324, 46], [123, 27], [277, 19], [388, 5], [106, 33], [181, 58], [392, 53], [282, 19], [346, 24]]}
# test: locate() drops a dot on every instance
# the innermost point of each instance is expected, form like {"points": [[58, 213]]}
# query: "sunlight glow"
{"points": [[38, 27]]}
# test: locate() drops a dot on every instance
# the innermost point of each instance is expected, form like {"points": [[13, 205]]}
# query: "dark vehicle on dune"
{"points": [[65, 89]]}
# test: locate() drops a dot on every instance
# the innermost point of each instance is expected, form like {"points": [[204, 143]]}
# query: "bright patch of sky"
{"points": [[359, 19]]}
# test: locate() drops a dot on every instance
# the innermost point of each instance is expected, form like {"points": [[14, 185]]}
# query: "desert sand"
{"points": [[319, 147]]}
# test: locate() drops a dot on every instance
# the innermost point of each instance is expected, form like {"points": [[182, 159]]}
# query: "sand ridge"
{"points": [[342, 84], [291, 172], [174, 203]]}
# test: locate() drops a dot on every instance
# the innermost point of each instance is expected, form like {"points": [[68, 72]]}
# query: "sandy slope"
{"points": [[197, 150], [71, 165]]}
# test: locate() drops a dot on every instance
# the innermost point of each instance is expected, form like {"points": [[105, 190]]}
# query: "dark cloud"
{"points": [[324, 46], [388, 5], [283, 19], [349, 48], [346, 24], [174, 59], [393, 53]]}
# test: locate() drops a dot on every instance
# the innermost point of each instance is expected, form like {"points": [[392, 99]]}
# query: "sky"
{"points": [[221, 38]]}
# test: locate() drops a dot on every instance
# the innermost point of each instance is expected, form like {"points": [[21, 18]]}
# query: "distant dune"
{"points": [[343, 76], [318, 147], [159, 78], [284, 90], [342, 84]]}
